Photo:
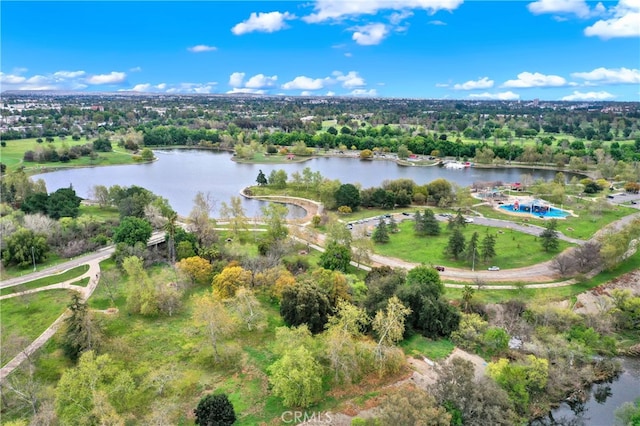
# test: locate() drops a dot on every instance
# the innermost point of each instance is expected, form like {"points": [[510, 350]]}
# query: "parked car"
{"points": [[468, 220], [406, 214], [493, 268], [439, 268]]}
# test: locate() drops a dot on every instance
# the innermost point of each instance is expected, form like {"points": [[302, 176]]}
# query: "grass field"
{"points": [[13, 271], [99, 213], [514, 249], [51, 279], [28, 316], [13, 153], [419, 346]]}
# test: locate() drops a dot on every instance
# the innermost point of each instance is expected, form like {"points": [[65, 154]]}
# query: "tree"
{"points": [[564, 264], [305, 304], [381, 234], [132, 230], [141, 292], [199, 221], [215, 410], [440, 189], [471, 253], [227, 282], [362, 247], [212, 315], [235, 216], [100, 194], [93, 392], [102, 144], [147, 155], [430, 223], [418, 225], [403, 152], [275, 217], [488, 247], [456, 245], [550, 240], [348, 195], [24, 247], [412, 406], [171, 227], [470, 401], [199, 270], [296, 378], [82, 333], [247, 308], [335, 257], [261, 179], [389, 324]]}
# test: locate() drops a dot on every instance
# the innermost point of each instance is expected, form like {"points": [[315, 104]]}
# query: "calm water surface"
{"points": [[179, 174]]}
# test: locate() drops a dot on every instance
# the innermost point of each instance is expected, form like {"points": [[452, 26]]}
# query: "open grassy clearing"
{"points": [[13, 153], [42, 282], [514, 249], [99, 213], [29, 316], [13, 271], [418, 346]]}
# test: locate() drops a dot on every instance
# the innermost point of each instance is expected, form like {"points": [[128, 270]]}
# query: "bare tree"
{"points": [[565, 264], [587, 256]]}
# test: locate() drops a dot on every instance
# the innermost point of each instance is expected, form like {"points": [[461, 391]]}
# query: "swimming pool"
{"points": [[552, 212]]}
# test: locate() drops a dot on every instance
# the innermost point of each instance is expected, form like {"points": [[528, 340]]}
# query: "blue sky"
{"points": [[440, 49]]}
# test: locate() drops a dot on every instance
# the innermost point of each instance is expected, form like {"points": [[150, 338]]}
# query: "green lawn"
{"points": [[99, 213], [418, 346], [51, 279], [28, 316], [13, 153], [514, 249], [13, 271]]}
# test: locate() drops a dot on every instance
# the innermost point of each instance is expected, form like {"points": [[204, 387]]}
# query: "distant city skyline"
{"points": [[550, 50]]}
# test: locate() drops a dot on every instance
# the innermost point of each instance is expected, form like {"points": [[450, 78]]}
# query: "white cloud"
{"points": [[349, 81], [338, 9], [483, 83], [442, 84], [370, 34], [436, 22], [135, 69], [503, 96], [589, 96], [199, 48], [306, 93], [111, 78], [610, 75], [161, 86], [246, 90], [68, 74], [260, 81], [398, 17], [575, 7], [330, 93], [263, 22], [624, 22], [305, 83], [11, 79], [364, 92], [236, 79], [139, 88], [527, 79], [348, 54]]}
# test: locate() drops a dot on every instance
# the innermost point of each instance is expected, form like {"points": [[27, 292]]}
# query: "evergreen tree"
{"points": [[550, 241], [430, 223], [393, 225], [261, 179], [418, 225], [471, 253], [456, 244], [82, 332], [488, 247], [381, 234], [215, 410]]}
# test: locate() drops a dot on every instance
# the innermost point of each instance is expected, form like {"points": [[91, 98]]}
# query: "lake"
{"points": [[604, 398], [180, 173]]}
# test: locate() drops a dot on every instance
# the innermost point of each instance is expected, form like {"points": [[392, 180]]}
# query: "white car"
{"points": [[468, 219], [494, 268]]}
